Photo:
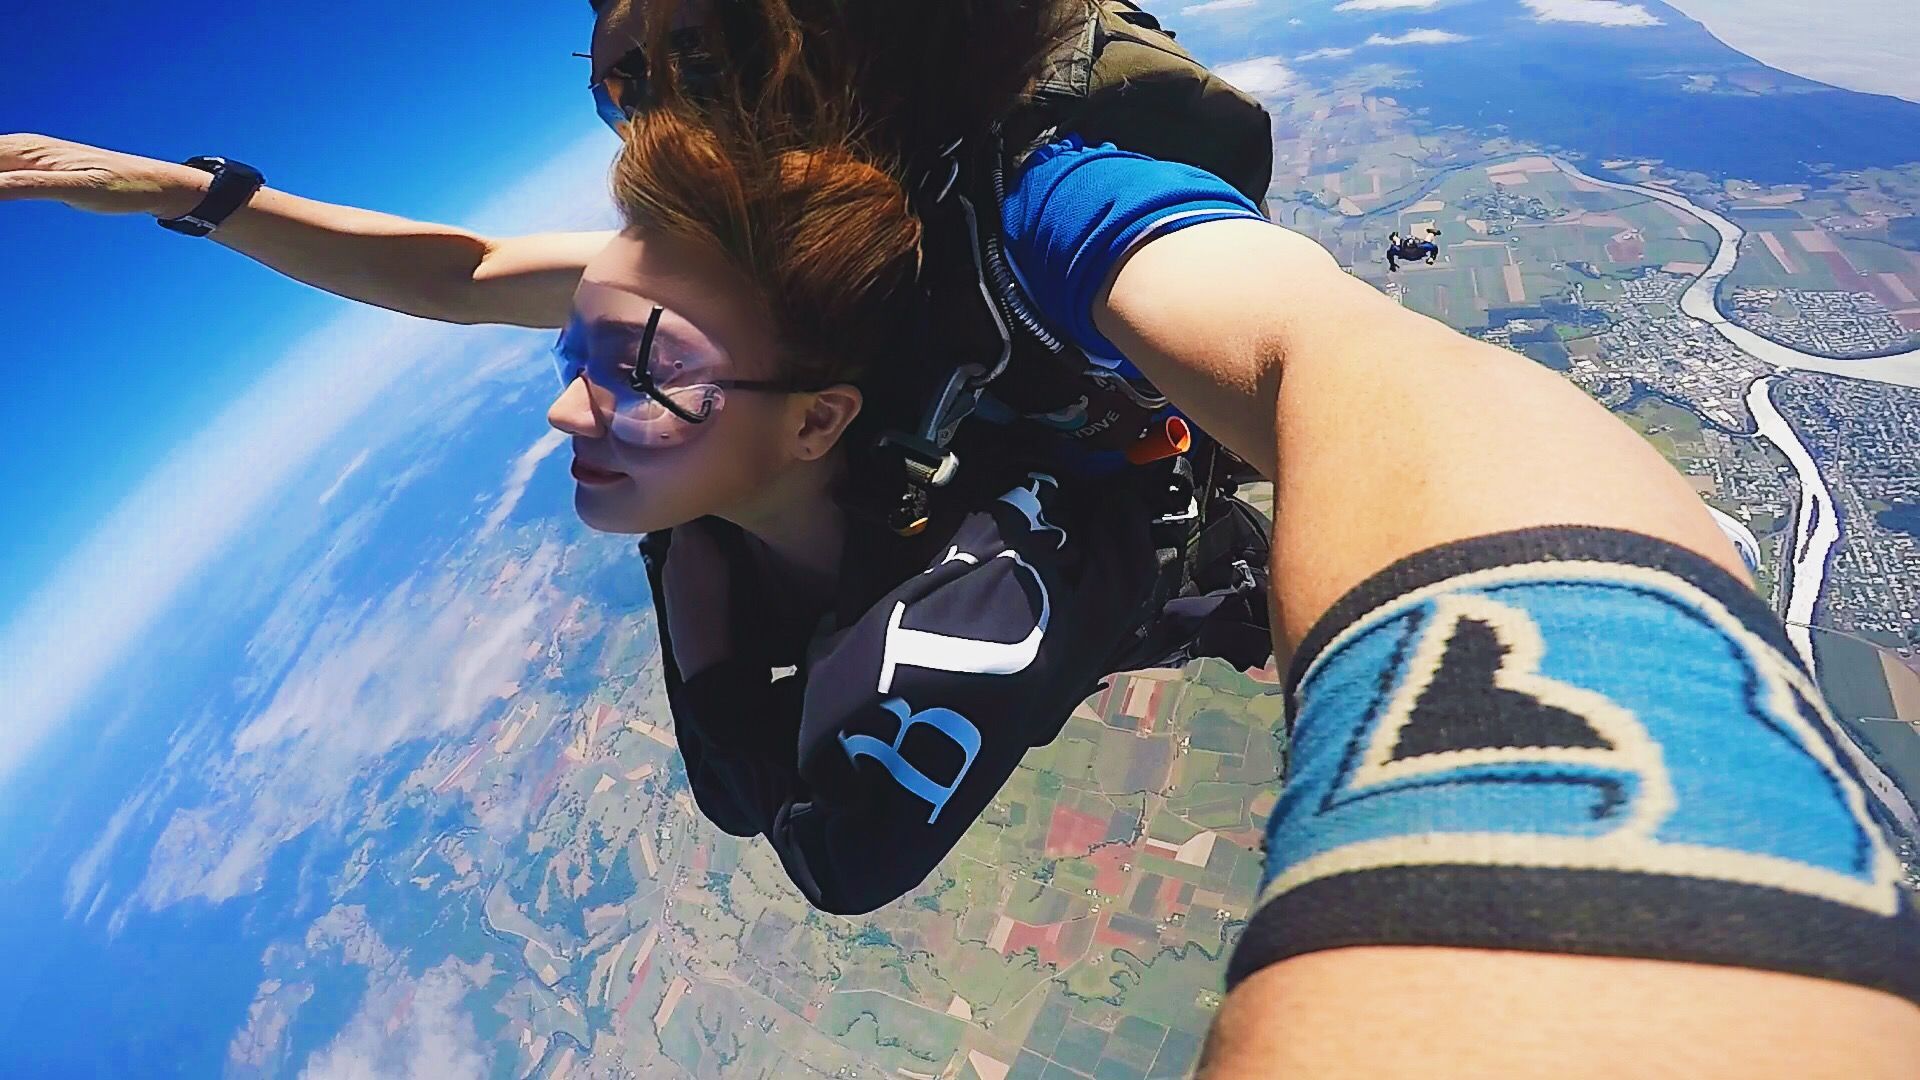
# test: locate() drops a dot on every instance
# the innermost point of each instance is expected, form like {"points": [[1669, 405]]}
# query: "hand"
{"points": [[95, 180]]}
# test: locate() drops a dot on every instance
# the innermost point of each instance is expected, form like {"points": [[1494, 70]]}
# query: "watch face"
{"points": [[224, 167]]}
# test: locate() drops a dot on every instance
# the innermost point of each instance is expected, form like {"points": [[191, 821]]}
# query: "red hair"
{"points": [[791, 162]]}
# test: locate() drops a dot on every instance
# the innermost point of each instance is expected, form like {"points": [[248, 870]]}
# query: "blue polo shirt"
{"points": [[1076, 210]]}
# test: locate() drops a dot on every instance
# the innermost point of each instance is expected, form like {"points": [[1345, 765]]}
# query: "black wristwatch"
{"points": [[234, 182]]}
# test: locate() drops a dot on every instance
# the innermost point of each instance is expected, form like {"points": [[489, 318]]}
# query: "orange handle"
{"points": [[1167, 439]]}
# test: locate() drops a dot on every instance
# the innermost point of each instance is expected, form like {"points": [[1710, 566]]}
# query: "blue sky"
{"points": [[121, 340]]}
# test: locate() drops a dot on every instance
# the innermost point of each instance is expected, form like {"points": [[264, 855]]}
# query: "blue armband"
{"points": [[1578, 741]]}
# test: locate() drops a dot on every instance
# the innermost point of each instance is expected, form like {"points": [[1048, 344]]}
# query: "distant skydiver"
{"points": [[1411, 249]]}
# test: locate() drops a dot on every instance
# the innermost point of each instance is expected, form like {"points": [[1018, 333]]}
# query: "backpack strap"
{"points": [[901, 453]]}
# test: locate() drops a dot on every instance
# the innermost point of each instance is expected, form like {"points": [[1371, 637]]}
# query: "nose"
{"points": [[575, 411]]}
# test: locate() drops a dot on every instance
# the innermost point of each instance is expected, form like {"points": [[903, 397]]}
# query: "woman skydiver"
{"points": [[715, 355], [1558, 800]]}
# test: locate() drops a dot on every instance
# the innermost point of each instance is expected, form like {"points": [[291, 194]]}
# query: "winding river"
{"points": [[1816, 527], [1701, 301]]}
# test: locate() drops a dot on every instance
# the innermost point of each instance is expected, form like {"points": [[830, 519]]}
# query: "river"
{"points": [[1816, 528], [1701, 301]]}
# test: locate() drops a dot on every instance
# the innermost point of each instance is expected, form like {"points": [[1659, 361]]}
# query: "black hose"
{"points": [[1000, 280]]}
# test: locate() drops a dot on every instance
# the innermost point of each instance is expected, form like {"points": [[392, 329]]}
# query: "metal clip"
{"points": [[956, 401], [924, 463], [1246, 582], [949, 155]]}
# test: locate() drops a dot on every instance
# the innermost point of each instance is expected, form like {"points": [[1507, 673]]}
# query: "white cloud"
{"points": [[1418, 37], [1211, 6], [341, 480], [517, 479], [1377, 41], [431, 659], [422, 662], [1387, 5], [84, 877], [1595, 12], [406, 1030], [1262, 76], [97, 604], [1848, 46]]}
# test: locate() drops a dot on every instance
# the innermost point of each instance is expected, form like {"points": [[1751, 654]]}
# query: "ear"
{"points": [[824, 417]]}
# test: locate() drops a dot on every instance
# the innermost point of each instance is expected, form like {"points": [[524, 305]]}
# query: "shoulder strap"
{"points": [[1119, 78]]}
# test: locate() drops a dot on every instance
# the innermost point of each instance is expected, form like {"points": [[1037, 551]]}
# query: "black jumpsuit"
{"points": [[907, 715]]}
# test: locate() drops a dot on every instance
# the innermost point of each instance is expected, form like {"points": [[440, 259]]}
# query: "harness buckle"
{"points": [[1244, 580], [924, 463], [920, 466]]}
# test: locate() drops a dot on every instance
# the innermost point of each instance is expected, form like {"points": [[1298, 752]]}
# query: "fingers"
{"points": [[23, 150]]}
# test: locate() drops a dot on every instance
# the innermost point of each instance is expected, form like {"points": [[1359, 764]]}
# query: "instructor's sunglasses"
{"points": [[617, 97], [654, 399], [622, 91]]}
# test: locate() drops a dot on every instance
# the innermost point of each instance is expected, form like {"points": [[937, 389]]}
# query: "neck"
{"points": [[802, 525]]}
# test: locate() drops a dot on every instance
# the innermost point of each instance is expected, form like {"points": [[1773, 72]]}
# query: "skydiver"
{"points": [[1411, 249], [730, 433]]}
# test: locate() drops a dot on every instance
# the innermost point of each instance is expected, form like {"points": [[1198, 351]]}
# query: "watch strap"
{"points": [[234, 183]]}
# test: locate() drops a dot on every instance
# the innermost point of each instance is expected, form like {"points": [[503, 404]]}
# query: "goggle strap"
{"points": [[642, 376]]}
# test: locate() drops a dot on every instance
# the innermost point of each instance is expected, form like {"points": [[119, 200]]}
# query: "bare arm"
{"points": [[1387, 433], [1392, 433], [432, 271]]}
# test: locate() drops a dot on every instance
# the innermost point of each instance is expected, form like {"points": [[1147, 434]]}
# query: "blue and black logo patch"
{"points": [[1572, 755]]}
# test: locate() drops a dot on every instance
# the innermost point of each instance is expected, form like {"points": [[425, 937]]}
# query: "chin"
{"points": [[612, 515]]}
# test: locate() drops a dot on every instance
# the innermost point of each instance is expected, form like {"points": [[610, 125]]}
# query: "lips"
{"points": [[593, 477]]}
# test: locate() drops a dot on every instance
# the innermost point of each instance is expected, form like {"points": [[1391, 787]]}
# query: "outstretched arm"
{"points": [[1386, 435], [432, 271], [1384, 431]]}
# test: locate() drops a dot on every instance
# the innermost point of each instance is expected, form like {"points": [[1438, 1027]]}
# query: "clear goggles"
{"points": [[660, 394]]}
